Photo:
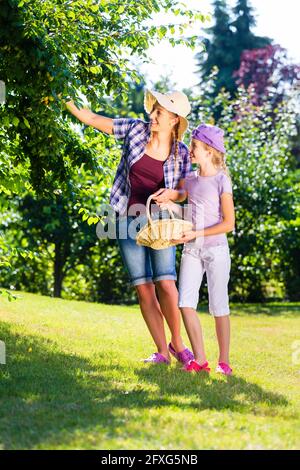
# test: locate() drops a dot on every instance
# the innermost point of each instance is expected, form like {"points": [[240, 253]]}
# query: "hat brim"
{"points": [[150, 99]]}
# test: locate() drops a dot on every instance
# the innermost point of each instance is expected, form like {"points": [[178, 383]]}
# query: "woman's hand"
{"points": [[164, 195], [187, 237], [90, 118], [166, 205]]}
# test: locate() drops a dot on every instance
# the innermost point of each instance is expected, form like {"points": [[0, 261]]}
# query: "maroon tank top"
{"points": [[146, 176]]}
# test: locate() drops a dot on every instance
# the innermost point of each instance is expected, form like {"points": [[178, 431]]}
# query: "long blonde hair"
{"points": [[175, 140]]}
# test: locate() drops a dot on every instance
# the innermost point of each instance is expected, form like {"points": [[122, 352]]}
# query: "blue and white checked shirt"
{"points": [[136, 134]]}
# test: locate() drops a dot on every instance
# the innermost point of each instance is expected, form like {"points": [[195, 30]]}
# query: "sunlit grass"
{"points": [[74, 380]]}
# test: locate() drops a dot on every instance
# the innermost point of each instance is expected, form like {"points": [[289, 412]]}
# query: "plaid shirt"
{"points": [[136, 134]]}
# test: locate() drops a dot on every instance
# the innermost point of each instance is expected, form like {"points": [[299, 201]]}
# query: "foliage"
{"points": [[58, 48], [268, 71], [289, 243], [55, 176], [264, 247]]}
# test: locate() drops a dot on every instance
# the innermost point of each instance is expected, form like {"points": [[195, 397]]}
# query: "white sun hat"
{"points": [[174, 101]]}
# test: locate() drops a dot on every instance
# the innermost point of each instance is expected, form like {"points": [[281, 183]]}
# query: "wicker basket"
{"points": [[157, 234]]}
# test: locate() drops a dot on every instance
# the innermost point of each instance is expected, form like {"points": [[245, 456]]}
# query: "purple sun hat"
{"points": [[210, 135]]}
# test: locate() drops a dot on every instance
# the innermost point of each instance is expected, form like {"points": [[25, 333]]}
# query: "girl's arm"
{"points": [[227, 225], [89, 118]]}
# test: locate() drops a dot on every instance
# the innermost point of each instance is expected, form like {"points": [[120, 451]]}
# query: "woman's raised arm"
{"points": [[89, 118]]}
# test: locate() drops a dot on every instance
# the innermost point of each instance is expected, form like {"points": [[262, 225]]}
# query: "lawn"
{"points": [[73, 379]]}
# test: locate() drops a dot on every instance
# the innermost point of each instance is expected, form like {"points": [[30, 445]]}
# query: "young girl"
{"points": [[206, 248]]}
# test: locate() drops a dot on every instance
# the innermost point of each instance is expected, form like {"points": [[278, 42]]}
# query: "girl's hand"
{"points": [[187, 237]]}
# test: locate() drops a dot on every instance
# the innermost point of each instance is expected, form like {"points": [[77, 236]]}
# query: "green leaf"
{"points": [[71, 15], [26, 122], [95, 69], [15, 121]]}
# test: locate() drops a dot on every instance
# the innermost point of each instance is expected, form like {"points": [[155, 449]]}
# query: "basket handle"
{"points": [[148, 210]]}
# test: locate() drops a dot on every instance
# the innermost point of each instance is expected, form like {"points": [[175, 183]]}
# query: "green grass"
{"points": [[74, 380]]}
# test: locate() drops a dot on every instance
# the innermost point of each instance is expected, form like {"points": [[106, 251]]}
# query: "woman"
{"points": [[154, 160]]}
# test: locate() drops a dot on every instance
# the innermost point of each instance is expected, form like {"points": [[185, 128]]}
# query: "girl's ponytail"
{"points": [[224, 166]]}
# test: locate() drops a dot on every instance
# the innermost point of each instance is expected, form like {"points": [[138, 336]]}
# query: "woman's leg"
{"points": [[153, 317], [164, 276], [137, 262], [168, 300], [194, 331]]}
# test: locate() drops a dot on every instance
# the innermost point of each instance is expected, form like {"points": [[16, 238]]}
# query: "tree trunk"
{"points": [[59, 261]]}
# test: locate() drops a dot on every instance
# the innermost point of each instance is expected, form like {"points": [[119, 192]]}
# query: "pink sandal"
{"points": [[224, 368], [184, 356], [157, 358], [194, 365]]}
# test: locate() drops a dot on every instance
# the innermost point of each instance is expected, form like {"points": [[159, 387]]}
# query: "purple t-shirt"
{"points": [[204, 199]]}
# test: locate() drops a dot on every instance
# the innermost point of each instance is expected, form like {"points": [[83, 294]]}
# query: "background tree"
{"points": [[66, 257], [218, 51], [229, 36], [79, 49], [244, 38]]}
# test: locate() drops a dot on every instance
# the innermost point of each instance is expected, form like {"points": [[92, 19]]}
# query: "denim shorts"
{"points": [[143, 264]]}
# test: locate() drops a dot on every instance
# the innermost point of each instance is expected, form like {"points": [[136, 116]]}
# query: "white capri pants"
{"points": [[215, 261]]}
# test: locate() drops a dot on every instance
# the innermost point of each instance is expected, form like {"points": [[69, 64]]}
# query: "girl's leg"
{"points": [[223, 335], [190, 278], [168, 300], [153, 317], [217, 271], [194, 331]]}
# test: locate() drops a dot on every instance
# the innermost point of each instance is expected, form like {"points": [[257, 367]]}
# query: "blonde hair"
{"points": [[175, 136], [218, 159], [175, 140]]}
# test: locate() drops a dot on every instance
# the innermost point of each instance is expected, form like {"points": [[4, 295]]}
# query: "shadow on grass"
{"points": [[231, 393], [48, 396]]}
